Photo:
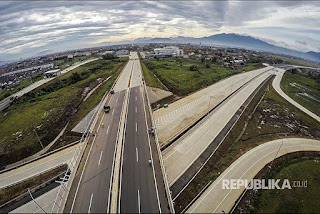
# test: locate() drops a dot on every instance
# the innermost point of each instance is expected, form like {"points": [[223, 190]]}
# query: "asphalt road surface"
{"points": [[142, 187], [94, 190], [141, 182]]}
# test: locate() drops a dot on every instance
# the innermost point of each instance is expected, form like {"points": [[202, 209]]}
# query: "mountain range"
{"points": [[235, 41]]}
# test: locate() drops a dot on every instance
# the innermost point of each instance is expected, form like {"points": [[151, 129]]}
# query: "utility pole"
{"points": [[38, 139], [275, 155], [35, 201]]}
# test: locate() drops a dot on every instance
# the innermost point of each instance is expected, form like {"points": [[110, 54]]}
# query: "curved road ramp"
{"points": [[216, 199]]}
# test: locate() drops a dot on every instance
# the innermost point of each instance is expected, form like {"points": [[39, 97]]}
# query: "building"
{"points": [[169, 50], [122, 52], [52, 73]]}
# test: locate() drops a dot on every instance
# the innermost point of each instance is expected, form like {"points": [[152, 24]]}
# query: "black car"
{"points": [[112, 92], [106, 109]]}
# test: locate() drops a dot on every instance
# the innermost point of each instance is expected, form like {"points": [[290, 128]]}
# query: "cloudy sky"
{"points": [[34, 28]]}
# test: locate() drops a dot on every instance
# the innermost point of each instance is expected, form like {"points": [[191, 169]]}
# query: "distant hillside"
{"points": [[234, 40]]}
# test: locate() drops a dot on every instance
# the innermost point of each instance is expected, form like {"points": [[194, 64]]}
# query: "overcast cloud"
{"points": [[33, 28]]}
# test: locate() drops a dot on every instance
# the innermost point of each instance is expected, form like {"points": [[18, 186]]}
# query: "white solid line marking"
{"points": [[112, 111], [136, 109], [90, 203], [137, 154], [100, 158], [139, 202], [108, 129], [117, 99], [136, 127], [136, 98]]}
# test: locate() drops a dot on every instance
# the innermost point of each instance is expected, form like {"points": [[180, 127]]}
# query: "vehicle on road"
{"points": [[106, 109], [112, 92]]}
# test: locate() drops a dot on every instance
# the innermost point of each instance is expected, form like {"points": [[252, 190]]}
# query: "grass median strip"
{"points": [[266, 118], [303, 89]]}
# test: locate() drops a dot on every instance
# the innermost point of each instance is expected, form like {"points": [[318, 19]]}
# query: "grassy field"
{"points": [[20, 86], [305, 85], [50, 107], [64, 63], [176, 75], [20, 188], [292, 61], [274, 117], [296, 200]]}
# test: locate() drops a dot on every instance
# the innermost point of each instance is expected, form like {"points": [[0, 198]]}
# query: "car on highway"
{"points": [[112, 92], [106, 109]]}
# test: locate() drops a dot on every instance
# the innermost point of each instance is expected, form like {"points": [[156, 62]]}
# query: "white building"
{"points": [[52, 73], [170, 50]]}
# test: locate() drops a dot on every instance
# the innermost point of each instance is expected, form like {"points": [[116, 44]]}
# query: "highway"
{"points": [[92, 191], [181, 155], [184, 112], [215, 199], [142, 186]]}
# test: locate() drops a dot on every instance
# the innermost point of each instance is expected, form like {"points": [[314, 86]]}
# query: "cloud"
{"points": [[29, 28]]}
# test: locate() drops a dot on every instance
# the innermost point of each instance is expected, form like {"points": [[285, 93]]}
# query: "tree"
{"points": [[207, 65], [202, 59], [108, 56]]}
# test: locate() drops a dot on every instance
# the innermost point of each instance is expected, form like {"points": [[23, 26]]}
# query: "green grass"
{"points": [[273, 118], [176, 75], [296, 200], [150, 79], [293, 61], [64, 63], [51, 106], [310, 86]]}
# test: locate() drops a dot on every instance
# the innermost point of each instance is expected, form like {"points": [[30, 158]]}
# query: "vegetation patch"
{"points": [[303, 89], [297, 199], [184, 76], [267, 117], [46, 110]]}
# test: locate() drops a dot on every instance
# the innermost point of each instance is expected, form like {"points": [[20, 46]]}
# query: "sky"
{"points": [[36, 28]]}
